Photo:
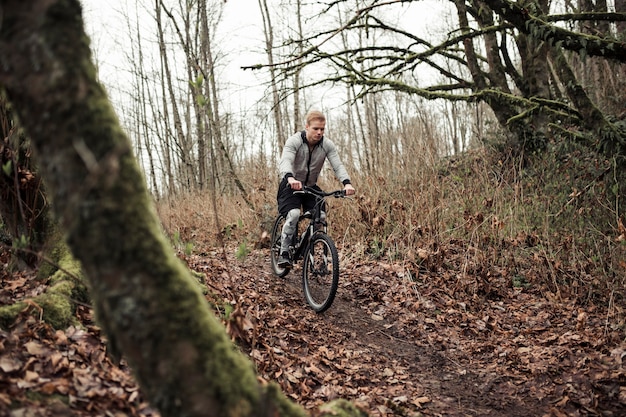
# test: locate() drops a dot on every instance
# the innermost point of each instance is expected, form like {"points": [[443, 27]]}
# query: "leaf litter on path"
{"points": [[397, 341]]}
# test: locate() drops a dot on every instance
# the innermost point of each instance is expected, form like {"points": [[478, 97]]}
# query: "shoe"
{"points": [[284, 260]]}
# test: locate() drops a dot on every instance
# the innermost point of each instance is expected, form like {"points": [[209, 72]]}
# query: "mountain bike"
{"points": [[311, 243]]}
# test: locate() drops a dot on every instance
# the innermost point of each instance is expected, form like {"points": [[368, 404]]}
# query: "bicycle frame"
{"points": [[320, 267], [315, 214]]}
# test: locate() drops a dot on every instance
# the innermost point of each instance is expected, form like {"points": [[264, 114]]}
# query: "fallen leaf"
{"points": [[9, 365]]}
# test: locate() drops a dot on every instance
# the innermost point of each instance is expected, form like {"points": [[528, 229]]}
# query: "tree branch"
{"points": [[525, 22]]}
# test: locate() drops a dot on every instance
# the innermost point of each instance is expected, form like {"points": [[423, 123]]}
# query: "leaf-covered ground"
{"points": [[399, 340]]}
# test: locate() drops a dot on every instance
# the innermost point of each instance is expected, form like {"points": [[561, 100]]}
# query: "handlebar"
{"points": [[322, 194]]}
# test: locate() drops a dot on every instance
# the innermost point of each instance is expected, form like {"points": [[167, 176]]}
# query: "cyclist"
{"points": [[301, 162]]}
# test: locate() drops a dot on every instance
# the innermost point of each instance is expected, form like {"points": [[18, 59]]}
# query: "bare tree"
{"points": [[182, 144], [145, 299], [143, 105], [504, 51], [268, 31]]}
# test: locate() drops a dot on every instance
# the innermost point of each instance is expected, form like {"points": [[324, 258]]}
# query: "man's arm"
{"points": [[287, 159], [340, 170], [335, 162]]}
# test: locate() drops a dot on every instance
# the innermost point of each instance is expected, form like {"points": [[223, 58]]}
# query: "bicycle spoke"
{"points": [[321, 273]]}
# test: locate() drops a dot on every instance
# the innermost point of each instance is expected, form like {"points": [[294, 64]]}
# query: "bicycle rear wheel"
{"points": [[320, 272], [277, 230]]}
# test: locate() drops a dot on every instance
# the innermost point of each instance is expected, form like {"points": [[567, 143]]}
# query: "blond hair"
{"points": [[314, 115]]}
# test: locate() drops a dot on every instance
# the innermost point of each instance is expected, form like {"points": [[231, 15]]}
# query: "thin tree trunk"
{"points": [[141, 117], [168, 146], [185, 164], [209, 92], [591, 116], [356, 131], [468, 47], [145, 299], [297, 107], [268, 31]]}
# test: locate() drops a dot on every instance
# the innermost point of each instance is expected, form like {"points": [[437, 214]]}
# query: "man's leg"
{"points": [[286, 237], [289, 205]]}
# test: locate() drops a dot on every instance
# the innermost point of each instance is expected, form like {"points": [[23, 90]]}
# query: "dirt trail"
{"points": [[397, 341], [400, 346]]}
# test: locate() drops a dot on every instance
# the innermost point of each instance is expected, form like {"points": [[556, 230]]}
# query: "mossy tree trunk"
{"points": [[145, 299]]}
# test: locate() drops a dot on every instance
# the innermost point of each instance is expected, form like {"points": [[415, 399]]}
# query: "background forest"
{"points": [[456, 122], [486, 141]]}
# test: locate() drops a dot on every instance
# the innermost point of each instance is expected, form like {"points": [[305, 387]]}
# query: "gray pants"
{"points": [[289, 228]]}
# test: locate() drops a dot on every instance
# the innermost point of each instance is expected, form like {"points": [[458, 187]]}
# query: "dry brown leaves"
{"points": [[62, 373], [399, 340]]}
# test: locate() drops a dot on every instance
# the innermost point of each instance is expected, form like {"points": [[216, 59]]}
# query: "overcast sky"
{"points": [[239, 34], [105, 23]]}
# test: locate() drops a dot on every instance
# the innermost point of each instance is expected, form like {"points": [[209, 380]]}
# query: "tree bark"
{"points": [[145, 299], [268, 31], [591, 116], [526, 23], [502, 110], [297, 106], [620, 7]]}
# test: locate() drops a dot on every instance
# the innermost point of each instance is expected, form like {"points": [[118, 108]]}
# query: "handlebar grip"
{"points": [[308, 190]]}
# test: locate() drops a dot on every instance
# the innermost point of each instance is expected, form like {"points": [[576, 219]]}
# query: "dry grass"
{"points": [[550, 225]]}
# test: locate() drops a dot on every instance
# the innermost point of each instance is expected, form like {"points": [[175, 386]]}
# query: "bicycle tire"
{"points": [[277, 230], [320, 272]]}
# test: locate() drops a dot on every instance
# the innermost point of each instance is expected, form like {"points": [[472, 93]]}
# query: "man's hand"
{"points": [[349, 189], [294, 184]]}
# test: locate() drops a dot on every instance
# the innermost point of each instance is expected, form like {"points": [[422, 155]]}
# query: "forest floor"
{"points": [[397, 341]]}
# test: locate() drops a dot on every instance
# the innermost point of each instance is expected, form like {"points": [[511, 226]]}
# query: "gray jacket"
{"points": [[296, 160]]}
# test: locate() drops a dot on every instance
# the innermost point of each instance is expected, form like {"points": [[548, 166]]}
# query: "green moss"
{"points": [[58, 309], [200, 279], [71, 270], [39, 397], [9, 313], [341, 408], [54, 307], [284, 407]]}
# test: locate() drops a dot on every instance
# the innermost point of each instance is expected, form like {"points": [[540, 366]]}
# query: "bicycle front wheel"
{"points": [[277, 230], [320, 272]]}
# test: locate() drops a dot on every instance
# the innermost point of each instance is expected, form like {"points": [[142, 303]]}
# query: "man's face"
{"points": [[315, 131]]}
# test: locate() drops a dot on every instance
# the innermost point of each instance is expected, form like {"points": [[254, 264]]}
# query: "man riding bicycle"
{"points": [[301, 162]]}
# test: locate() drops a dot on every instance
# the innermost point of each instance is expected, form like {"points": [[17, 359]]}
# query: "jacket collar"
{"points": [[303, 136]]}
